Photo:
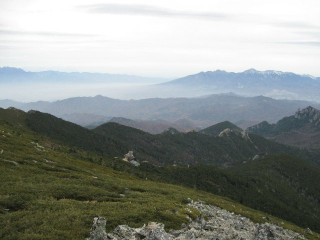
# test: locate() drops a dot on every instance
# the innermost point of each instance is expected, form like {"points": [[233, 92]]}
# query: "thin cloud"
{"points": [[147, 10], [306, 43], [312, 34], [297, 25], [303, 29], [45, 34]]}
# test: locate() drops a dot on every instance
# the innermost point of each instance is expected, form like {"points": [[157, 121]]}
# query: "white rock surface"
{"points": [[214, 223]]}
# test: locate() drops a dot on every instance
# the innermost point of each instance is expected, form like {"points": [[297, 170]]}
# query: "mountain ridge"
{"points": [[251, 82], [201, 111], [114, 139], [155, 126], [309, 113], [248, 72], [301, 129], [13, 74], [216, 129]]}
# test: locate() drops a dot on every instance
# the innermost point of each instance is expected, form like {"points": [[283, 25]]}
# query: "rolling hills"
{"points": [[155, 126], [171, 147], [200, 112], [56, 169], [49, 193]]}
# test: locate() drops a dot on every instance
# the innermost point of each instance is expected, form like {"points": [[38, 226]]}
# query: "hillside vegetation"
{"points": [[57, 172], [48, 193], [171, 147], [280, 185]]}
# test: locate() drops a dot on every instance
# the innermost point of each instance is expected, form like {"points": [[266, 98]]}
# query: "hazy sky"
{"points": [[168, 38]]}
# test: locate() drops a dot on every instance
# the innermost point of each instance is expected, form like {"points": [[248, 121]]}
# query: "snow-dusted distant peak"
{"points": [[251, 71], [272, 72], [267, 72], [310, 76]]}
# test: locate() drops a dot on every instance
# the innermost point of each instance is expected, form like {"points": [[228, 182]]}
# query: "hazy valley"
{"points": [[249, 83]]}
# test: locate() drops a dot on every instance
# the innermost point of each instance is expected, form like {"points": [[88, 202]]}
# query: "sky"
{"points": [[168, 38]]}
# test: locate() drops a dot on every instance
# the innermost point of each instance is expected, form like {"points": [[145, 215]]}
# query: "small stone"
{"points": [[308, 231]]}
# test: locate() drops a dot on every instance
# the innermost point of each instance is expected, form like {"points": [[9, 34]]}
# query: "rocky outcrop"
{"points": [[299, 130], [129, 157], [227, 132], [214, 223], [311, 114]]}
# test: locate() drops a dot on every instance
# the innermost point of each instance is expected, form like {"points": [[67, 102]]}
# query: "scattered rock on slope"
{"points": [[214, 223]]}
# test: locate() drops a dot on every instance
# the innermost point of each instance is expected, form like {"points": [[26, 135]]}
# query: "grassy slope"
{"points": [[52, 194]]}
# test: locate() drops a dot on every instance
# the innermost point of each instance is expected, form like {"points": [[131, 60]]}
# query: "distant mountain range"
{"points": [[180, 113], [301, 129], [10, 75], [158, 114], [275, 84]]}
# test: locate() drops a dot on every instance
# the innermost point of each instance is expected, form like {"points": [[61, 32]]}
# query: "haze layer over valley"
{"points": [[21, 85], [188, 103]]}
